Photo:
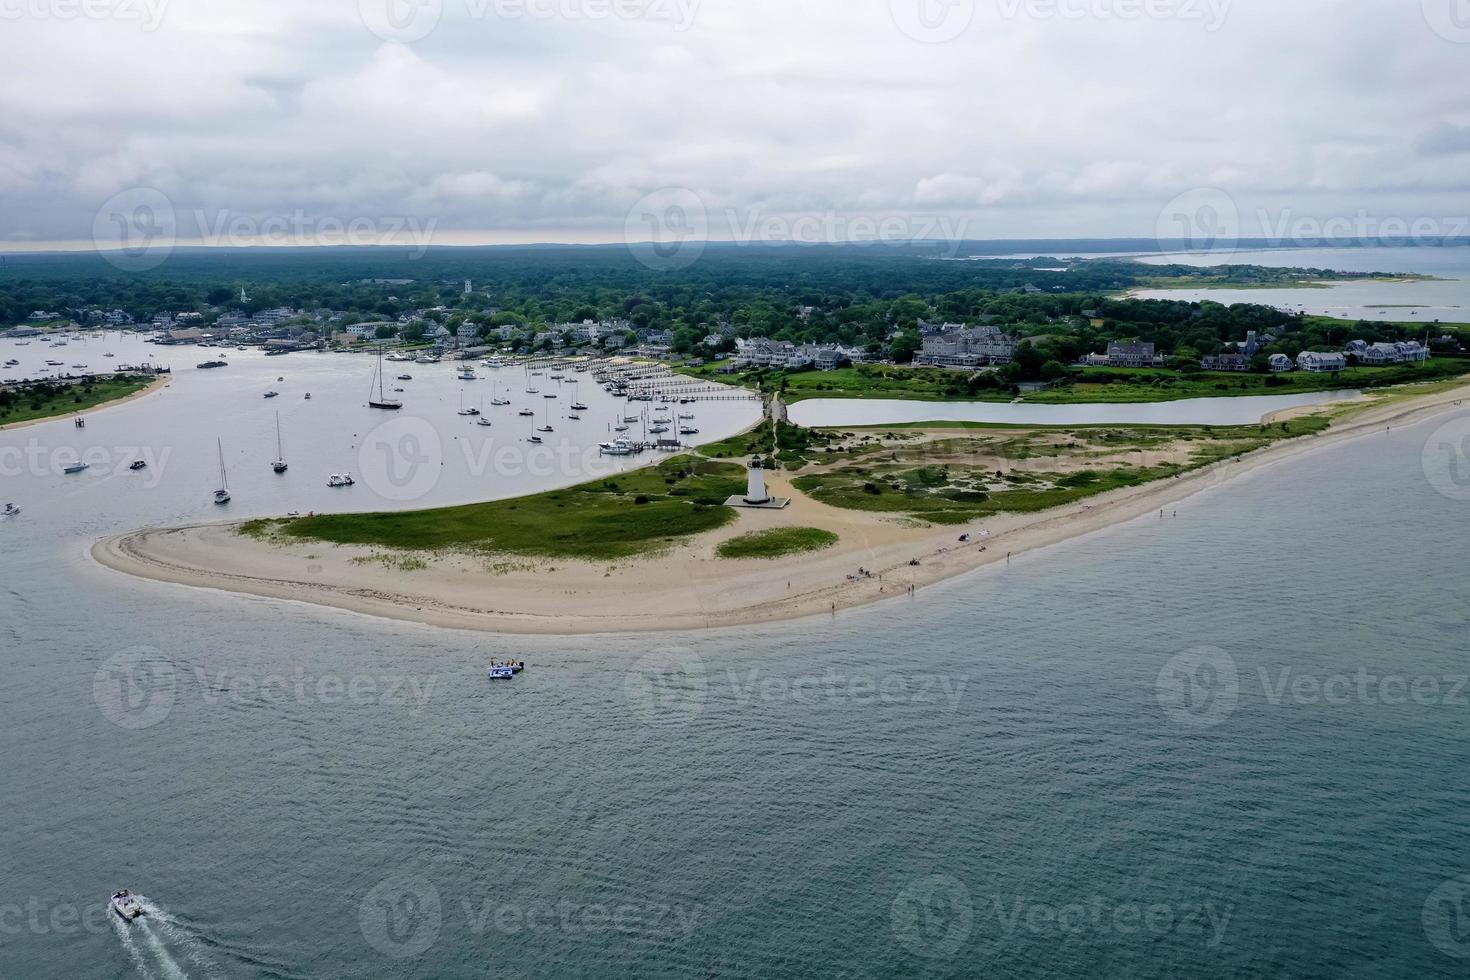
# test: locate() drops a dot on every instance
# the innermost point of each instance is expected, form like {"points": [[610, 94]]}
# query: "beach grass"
{"points": [[776, 542], [48, 401], [912, 482], [635, 513]]}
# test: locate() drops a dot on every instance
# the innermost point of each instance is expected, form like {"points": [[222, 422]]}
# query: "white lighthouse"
{"points": [[755, 492]]}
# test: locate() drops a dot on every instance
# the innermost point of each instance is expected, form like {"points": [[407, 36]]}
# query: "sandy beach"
{"points": [[158, 383], [689, 587]]}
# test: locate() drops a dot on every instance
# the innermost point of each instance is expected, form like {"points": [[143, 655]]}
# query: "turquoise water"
{"points": [[1036, 770]]}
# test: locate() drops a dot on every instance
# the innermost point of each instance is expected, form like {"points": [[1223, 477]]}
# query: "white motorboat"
{"points": [[688, 430], [618, 447], [126, 904], [468, 374], [484, 421], [272, 394], [341, 480], [77, 467]]}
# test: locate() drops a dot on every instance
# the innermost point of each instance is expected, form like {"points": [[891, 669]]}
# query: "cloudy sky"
{"points": [[229, 121]]}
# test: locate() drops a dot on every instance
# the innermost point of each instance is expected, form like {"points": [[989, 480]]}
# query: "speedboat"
{"points": [[10, 511], [138, 464], [484, 421], [341, 480], [308, 396], [618, 447], [272, 394], [77, 467], [126, 904], [405, 377], [500, 673]]}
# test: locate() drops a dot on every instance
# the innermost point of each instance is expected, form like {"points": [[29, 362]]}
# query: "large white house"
{"points": [[1320, 363]]}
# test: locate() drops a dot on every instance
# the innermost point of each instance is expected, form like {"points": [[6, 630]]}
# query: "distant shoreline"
{"points": [[688, 587]]}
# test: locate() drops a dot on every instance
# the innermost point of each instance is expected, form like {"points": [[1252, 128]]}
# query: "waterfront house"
{"points": [[1320, 363], [1130, 354], [1280, 363], [1226, 362]]}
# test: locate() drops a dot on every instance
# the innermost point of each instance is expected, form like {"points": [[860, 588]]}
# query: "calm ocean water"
{"points": [[1227, 743], [1445, 298]]}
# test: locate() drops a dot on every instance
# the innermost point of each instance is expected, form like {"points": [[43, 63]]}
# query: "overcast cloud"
{"points": [[549, 120]]}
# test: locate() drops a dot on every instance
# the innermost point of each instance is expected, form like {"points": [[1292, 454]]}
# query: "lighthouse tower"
{"points": [[755, 492]]}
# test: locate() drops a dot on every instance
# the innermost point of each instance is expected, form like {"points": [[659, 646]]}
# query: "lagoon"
{"points": [[1193, 411]]}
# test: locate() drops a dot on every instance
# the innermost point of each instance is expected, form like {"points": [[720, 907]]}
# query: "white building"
{"points": [[1320, 363]]}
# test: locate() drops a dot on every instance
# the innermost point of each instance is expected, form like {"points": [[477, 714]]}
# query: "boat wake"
{"points": [[163, 948]]}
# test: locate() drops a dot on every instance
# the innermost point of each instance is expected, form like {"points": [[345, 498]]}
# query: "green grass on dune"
{"points": [[776, 542], [28, 406], [633, 513]]}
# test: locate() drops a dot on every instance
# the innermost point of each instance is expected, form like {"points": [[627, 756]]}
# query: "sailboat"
{"points": [[482, 420], [222, 495], [280, 463], [547, 420], [466, 411], [382, 401], [495, 398]]}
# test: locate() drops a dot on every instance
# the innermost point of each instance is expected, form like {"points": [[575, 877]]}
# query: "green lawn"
{"points": [[634, 513], [776, 542], [52, 400]]}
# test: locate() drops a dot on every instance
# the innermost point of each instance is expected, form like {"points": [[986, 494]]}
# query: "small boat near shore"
{"points": [[506, 670], [222, 495]]}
